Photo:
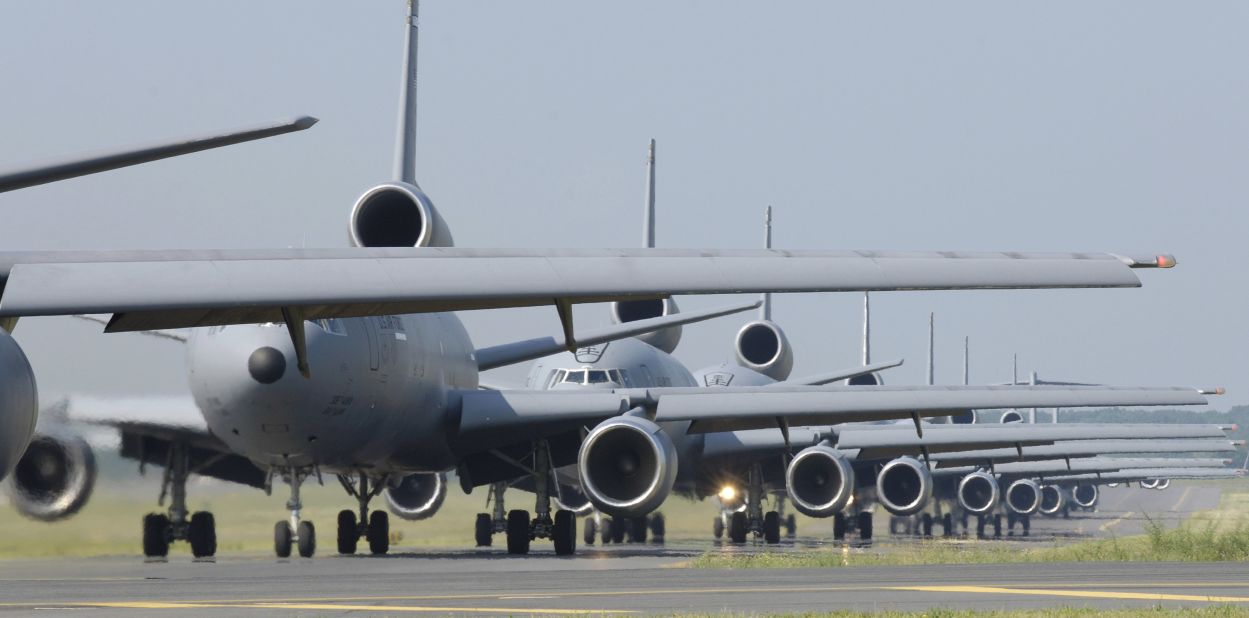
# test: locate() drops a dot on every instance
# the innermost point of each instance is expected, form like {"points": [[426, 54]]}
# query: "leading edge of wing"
{"points": [[175, 289]]}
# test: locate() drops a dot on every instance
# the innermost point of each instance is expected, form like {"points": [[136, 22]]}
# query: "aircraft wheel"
{"points": [[203, 535], [839, 527], [605, 529], [737, 528], [997, 526], [483, 529], [947, 525], [518, 532], [348, 532], [658, 528], [591, 531], [772, 528], [155, 535], [1010, 524], [618, 530], [980, 523], [791, 526], [637, 530], [378, 533], [865, 526], [282, 539], [925, 522], [1025, 523], [307, 539], [717, 528], [565, 532]]}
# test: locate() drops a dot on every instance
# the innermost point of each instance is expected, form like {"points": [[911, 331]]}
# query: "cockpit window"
{"points": [[575, 377], [597, 377], [331, 326]]}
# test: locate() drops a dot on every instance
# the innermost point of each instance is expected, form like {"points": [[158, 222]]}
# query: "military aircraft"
{"points": [[352, 362]]}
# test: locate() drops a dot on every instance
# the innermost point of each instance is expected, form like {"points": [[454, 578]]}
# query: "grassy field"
{"points": [[1217, 611]]}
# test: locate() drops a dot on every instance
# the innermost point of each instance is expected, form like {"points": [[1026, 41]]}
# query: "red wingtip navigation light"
{"points": [[1165, 261]]}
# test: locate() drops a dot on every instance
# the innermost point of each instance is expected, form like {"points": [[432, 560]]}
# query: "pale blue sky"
{"points": [[1118, 126]]}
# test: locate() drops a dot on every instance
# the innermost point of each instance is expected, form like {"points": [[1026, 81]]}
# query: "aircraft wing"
{"points": [[843, 374], [1082, 448], [494, 417], [1032, 469], [82, 165], [1123, 476], [152, 290], [521, 351]]}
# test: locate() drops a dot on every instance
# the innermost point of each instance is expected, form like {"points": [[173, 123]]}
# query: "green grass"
{"points": [[1214, 611]]}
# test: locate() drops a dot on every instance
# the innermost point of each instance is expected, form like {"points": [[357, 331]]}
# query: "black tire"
{"points": [[378, 533], [518, 532], [307, 539], [637, 530], [947, 525], [591, 531], [565, 532], [771, 527], [483, 530], [202, 533], [791, 526], [737, 528], [1025, 522], [839, 527], [618, 529], [1010, 524], [717, 528], [605, 529], [348, 532], [997, 526], [865, 526], [980, 523], [925, 525], [282, 539], [658, 528], [155, 535]]}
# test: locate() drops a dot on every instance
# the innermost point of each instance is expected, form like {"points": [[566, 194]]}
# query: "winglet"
{"points": [[1160, 260]]}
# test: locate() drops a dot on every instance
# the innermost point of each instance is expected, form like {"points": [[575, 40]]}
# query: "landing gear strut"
{"points": [[374, 528], [159, 530], [753, 520], [302, 534], [519, 527]]}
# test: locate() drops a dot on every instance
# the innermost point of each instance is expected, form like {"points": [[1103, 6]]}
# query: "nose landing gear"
{"points": [[301, 534]]}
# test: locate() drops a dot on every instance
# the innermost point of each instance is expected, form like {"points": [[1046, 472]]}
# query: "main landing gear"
{"points": [[752, 520], [861, 522], [159, 529], [374, 528], [519, 527], [301, 534]]}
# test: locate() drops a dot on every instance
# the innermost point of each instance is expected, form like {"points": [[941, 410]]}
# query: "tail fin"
{"points": [[648, 219], [405, 146], [867, 328], [765, 310], [1032, 379], [966, 361]]}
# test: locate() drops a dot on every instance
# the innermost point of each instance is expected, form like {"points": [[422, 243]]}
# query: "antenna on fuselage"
{"points": [[867, 328], [648, 219], [765, 310], [405, 145]]}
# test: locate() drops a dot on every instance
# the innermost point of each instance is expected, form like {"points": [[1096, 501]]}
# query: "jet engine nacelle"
{"points": [[625, 311], [904, 486], [819, 481], [1023, 497], [1085, 496], [54, 479], [397, 214], [1149, 484], [627, 466], [19, 403], [1011, 416], [762, 346], [1053, 499], [1163, 484], [978, 493], [417, 496]]}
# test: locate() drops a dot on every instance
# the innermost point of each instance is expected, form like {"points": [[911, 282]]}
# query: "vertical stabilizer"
{"points": [[1014, 369], [931, 380], [648, 218], [1032, 411], [966, 362], [765, 310], [405, 145], [867, 328]]}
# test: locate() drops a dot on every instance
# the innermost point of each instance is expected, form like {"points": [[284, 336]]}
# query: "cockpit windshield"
{"points": [[585, 377]]}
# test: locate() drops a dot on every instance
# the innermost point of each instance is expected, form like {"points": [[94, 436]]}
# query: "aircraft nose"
{"points": [[266, 365]]}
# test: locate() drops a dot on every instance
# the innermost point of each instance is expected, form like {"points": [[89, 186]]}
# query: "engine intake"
{"points": [[1053, 499], [1023, 497], [1011, 416], [1149, 483], [19, 403], [626, 311], [397, 214], [627, 466], [417, 496], [762, 346], [1085, 496], [819, 481], [54, 479], [904, 486], [978, 493]]}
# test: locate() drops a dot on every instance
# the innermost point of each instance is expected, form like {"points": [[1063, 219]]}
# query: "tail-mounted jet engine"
{"points": [[819, 481], [904, 486], [1011, 416], [1085, 496], [417, 496], [1023, 497], [397, 214], [54, 479], [1053, 499], [978, 493], [627, 466], [19, 403], [762, 346], [633, 310]]}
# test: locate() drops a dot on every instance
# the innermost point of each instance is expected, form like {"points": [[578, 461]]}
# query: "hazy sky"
{"points": [[1114, 126]]}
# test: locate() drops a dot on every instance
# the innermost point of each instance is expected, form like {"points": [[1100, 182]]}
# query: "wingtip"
{"points": [[1158, 260], [304, 122], [1218, 390]]}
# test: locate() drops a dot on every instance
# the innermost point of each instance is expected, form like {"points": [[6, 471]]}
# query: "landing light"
{"points": [[727, 493]]}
